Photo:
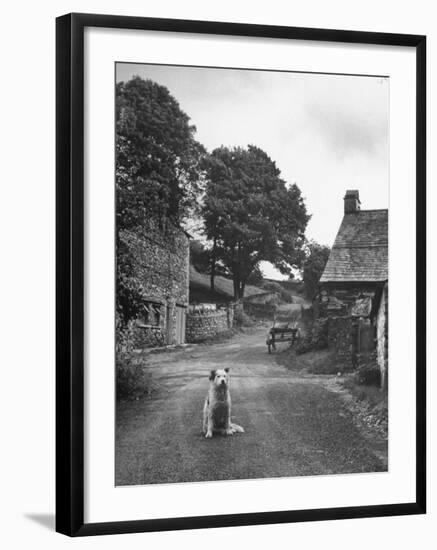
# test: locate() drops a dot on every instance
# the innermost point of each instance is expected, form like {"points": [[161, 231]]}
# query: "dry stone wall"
{"points": [[203, 324]]}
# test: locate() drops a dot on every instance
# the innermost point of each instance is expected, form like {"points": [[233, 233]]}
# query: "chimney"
{"points": [[352, 201]]}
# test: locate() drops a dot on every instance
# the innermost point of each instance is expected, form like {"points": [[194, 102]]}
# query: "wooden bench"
{"points": [[281, 334]]}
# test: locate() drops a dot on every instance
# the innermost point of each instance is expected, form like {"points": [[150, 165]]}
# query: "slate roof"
{"points": [[360, 251]]}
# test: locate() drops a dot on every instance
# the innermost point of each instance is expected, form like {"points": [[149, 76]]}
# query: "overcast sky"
{"points": [[327, 133]]}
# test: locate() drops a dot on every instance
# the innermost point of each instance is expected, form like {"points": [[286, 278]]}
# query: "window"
{"points": [[151, 314]]}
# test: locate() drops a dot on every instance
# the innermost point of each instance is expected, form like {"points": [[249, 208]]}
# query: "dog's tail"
{"points": [[237, 428]]}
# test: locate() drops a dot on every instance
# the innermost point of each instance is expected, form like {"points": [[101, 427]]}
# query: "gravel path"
{"points": [[294, 425]]}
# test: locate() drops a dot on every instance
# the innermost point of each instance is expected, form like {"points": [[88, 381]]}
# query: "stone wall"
{"points": [[160, 271], [203, 324], [382, 337], [148, 337]]}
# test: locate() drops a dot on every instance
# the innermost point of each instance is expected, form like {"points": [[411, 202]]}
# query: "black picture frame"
{"points": [[70, 273]]}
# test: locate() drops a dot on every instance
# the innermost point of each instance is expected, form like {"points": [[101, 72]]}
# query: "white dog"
{"points": [[217, 409]]}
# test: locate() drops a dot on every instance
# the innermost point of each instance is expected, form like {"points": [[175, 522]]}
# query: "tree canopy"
{"points": [[157, 174], [316, 257], [157, 157], [250, 214], [199, 256]]}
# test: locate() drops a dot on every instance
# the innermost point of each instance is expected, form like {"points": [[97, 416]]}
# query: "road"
{"points": [[295, 425]]}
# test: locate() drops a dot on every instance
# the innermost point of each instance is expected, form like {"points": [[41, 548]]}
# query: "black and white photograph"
{"points": [[252, 276], [215, 283]]}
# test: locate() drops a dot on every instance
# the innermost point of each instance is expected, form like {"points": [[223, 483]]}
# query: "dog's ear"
{"points": [[212, 375], [227, 369]]}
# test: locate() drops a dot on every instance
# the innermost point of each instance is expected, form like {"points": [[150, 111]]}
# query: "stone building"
{"points": [[353, 289], [160, 265]]}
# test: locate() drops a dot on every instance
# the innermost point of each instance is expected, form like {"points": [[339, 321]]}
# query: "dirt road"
{"points": [[295, 425]]}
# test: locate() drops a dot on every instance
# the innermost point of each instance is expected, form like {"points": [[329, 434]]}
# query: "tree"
{"points": [[250, 215], [199, 256], [256, 278], [158, 174], [316, 257], [157, 158]]}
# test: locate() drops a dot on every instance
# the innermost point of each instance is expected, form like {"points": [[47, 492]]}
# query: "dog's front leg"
{"points": [[209, 427], [205, 417], [229, 429]]}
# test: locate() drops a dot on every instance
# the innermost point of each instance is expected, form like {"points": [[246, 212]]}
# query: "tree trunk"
{"points": [[239, 287], [213, 261]]}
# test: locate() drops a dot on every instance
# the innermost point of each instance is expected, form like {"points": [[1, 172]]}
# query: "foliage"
{"points": [[284, 294], [130, 374], [124, 335], [250, 214], [316, 257], [157, 158], [132, 379], [304, 345], [271, 286], [320, 334], [200, 256], [130, 301], [323, 362], [256, 277], [316, 337], [241, 319], [158, 172], [368, 374], [129, 371]]}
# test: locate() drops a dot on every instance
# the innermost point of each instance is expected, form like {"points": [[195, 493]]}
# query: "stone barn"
{"points": [[353, 289], [160, 264]]}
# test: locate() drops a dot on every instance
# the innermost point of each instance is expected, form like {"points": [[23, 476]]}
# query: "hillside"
{"points": [[224, 289]]}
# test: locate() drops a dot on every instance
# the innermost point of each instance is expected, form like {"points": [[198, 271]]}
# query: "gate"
{"points": [[180, 324]]}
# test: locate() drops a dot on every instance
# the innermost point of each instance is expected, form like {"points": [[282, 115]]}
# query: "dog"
{"points": [[217, 408]]}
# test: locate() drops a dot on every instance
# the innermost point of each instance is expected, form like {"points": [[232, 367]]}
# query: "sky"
{"points": [[326, 133]]}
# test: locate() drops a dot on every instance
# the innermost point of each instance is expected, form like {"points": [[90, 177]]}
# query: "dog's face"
{"points": [[220, 378]]}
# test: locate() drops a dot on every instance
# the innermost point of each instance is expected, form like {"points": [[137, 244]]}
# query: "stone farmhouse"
{"points": [[161, 264], [353, 289]]}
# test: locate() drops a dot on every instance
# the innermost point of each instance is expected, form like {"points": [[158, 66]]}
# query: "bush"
{"points": [[324, 363], [241, 319], [320, 334], [368, 374], [124, 335], [129, 374], [271, 286], [285, 295], [304, 345], [316, 337], [131, 379]]}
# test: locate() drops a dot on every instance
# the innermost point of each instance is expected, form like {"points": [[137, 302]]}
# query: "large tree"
{"points": [[316, 257], [250, 214], [157, 173], [157, 157]]}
